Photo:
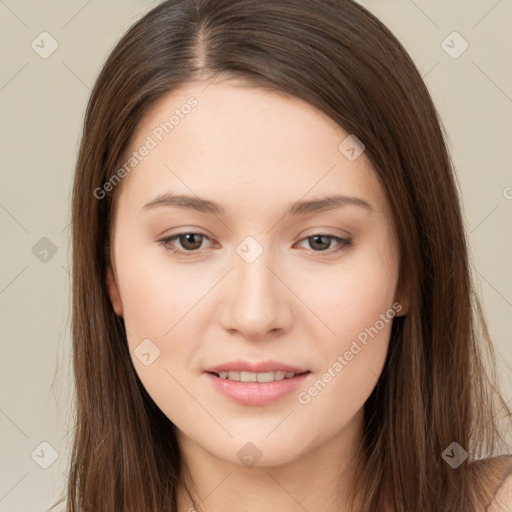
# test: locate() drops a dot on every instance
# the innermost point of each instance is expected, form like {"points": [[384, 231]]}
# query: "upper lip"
{"points": [[261, 367]]}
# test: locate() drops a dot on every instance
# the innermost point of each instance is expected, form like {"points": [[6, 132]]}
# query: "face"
{"points": [[251, 268]]}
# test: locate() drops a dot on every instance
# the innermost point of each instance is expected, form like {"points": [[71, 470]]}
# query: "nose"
{"points": [[257, 303]]}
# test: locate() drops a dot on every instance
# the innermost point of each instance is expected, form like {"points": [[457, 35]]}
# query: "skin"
{"points": [[255, 152]]}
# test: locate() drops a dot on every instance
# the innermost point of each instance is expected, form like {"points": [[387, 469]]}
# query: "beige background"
{"points": [[42, 103]]}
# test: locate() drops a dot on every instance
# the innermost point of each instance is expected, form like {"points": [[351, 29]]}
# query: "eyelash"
{"points": [[344, 243]]}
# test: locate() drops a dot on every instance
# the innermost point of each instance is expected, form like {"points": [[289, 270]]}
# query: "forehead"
{"points": [[237, 141]]}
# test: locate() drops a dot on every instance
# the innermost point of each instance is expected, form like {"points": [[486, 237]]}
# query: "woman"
{"points": [[272, 304]]}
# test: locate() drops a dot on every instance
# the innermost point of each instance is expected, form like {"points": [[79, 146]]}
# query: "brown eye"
{"points": [[321, 242], [189, 242]]}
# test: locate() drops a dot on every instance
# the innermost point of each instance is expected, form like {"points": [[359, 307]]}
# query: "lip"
{"points": [[257, 393], [261, 367]]}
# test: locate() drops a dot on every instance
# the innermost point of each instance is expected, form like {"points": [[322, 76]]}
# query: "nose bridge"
{"points": [[255, 303], [253, 279]]}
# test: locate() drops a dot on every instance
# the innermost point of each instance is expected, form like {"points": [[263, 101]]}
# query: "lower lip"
{"points": [[257, 393]]}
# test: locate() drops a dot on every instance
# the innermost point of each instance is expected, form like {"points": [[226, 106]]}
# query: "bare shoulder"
{"points": [[502, 499]]}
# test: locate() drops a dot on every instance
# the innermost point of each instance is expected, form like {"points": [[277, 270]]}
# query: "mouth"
{"points": [[260, 377], [256, 388], [250, 367]]}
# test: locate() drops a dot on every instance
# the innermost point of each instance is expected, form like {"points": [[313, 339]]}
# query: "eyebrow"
{"points": [[297, 208]]}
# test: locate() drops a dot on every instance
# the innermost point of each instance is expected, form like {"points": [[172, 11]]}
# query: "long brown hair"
{"points": [[438, 385]]}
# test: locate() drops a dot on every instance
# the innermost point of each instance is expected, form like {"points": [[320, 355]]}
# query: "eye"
{"points": [[192, 242], [322, 241]]}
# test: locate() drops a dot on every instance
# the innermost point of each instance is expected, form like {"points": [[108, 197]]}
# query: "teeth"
{"points": [[256, 377]]}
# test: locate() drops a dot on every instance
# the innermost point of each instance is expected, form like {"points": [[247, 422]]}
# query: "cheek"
{"points": [[357, 307], [353, 298], [157, 295], [161, 304], [353, 361], [160, 315]]}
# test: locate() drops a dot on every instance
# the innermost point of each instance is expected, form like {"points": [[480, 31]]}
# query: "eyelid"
{"points": [[327, 231]]}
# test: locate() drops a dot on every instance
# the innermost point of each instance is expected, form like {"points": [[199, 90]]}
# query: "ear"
{"points": [[113, 291]]}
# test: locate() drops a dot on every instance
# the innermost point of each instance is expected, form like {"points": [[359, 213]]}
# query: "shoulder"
{"points": [[502, 498]]}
